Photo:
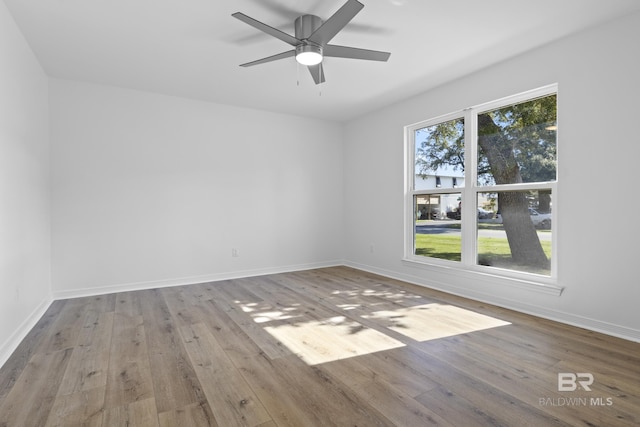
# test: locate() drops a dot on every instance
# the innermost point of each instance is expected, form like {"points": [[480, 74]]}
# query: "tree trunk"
{"points": [[544, 201], [521, 234]]}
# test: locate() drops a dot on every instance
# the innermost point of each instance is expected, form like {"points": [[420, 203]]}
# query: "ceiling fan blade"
{"points": [[338, 20], [317, 72], [267, 29], [354, 53], [282, 55]]}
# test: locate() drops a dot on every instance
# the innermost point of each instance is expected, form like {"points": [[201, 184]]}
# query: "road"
{"points": [[443, 227]]}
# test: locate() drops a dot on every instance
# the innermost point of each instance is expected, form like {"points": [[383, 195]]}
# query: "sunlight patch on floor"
{"points": [[270, 316], [326, 340], [337, 338], [432, 321]]}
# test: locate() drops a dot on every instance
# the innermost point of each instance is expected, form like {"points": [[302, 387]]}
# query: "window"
{"points": [[497, 215]]}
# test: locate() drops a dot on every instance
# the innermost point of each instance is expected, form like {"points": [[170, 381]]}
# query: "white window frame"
{"points": [[470, 191]]}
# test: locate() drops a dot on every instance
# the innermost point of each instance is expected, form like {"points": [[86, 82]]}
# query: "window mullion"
{"points": [[409, 194], [468, 194]]}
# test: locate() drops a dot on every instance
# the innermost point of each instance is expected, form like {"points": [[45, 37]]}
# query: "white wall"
{"points": [[152, 190], [25, 275], [599, 148]]}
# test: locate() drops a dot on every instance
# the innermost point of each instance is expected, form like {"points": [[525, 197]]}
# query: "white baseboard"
{"points": [[558, 316], [12, 343], [192, 280]]}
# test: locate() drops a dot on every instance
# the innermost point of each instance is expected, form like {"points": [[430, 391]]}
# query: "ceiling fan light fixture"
{"points": [[308, 54]]}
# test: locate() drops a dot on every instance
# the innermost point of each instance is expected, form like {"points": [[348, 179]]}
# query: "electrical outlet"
{"points": [[235, 252], [371, 248]]}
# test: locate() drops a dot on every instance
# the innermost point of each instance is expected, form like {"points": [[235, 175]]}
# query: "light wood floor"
{"points": [[322, 347]]}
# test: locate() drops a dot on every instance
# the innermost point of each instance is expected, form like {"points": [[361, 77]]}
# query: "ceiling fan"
{"points": [[312, 37]]}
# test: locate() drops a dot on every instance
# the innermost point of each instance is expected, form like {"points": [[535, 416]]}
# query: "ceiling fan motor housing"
{"points": [[306, 25]]}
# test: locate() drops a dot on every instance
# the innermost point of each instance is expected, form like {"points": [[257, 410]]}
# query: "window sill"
{"points": [[543, 285]]}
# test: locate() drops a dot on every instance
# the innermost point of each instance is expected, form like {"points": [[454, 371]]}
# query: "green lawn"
{"points": [[445, 246], [491, 251]]}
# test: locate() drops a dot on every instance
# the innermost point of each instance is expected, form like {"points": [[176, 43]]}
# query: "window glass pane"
{"points": [[517, 143], [515, 230], [439, 156], [437, 231]]}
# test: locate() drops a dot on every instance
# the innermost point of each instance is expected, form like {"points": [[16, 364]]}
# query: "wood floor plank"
{"points": [[129, 376], [524, 385], [32, 397], [364, 290], [194, 415], [296, 394], [620, 389], [232, 338], [20, 358], [298, 299], [483, 396], [128, 303], [286, 388], [557, 341], [392, 402], [139, 413], [287, 403], [521, 348], [331, 346], [82, 408], [66, 328], [520, 379], [231, 398], [102, 303], [90, 358], [459, 411], [179, 305], [174, 379], [364, 369], [284, 403], [315, 333], [543, 375], [236, 304]]}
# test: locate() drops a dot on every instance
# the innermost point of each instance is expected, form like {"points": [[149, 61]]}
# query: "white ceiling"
{"points": [[192, 48]]}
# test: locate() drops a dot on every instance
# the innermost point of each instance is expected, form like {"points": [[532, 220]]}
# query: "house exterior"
{"points": [[444, 206], [438, 206]]}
